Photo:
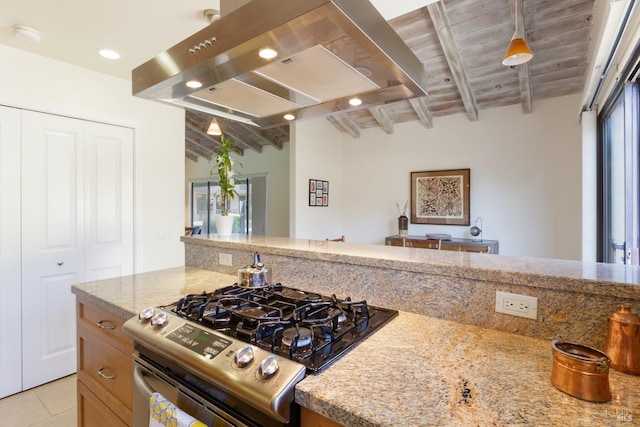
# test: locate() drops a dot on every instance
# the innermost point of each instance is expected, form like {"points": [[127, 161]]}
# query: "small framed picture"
{"points": [[318, 192]]}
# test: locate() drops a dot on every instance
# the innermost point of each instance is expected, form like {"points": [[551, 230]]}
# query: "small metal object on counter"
{"points": [[623, 341], [580, 371], [476, 230], [255, 275]]}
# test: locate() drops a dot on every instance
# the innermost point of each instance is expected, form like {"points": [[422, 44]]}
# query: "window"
{"points": [[619, 195], [248, 208]]}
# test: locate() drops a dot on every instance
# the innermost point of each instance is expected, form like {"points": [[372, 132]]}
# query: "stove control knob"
{"points": [[268, 367], [147, 313], [160, 319], [244, 356]]}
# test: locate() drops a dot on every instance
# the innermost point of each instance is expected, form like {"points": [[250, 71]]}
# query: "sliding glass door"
{"points": [[619, 198], [249, 208]]}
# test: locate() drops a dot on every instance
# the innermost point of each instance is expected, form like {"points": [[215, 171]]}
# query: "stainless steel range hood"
{"points": [[328, 52]]}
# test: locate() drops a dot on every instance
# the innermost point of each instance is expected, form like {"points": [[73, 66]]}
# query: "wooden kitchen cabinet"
{"points": [[458, 245], [105, 368], [309, 418]]}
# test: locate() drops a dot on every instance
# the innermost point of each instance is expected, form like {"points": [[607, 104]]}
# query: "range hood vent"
{"points": [[327, 53]]}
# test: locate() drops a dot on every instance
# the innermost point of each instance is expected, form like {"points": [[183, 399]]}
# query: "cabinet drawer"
{"points": [[93, 413], [106, 371], [103, 322], [308, 418]]}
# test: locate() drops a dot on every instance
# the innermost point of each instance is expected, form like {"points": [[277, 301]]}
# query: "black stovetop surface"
{"points": [[306, 327]]}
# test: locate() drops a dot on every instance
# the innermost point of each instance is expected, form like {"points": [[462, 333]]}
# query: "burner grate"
{"points": [[303, 326]]}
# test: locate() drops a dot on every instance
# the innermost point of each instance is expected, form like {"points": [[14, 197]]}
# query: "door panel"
{"points": [[54, 293], [10, 308], [109, 197], [52, 243]]}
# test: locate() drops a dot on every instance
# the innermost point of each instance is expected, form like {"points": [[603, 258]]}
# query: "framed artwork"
{"points": [[318, 192], [440, 197]]}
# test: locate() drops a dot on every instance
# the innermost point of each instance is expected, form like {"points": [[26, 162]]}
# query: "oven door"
{"points": [[147, 379]]}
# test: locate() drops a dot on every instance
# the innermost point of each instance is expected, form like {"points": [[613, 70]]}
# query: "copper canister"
{"points": [[580, 371], [623, 341]]}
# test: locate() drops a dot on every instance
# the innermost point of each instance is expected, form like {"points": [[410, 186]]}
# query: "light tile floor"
{"points": [[52, 405]]}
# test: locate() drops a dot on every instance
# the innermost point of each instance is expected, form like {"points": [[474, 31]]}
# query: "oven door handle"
{"points": [[141, 384], [139, 381]]}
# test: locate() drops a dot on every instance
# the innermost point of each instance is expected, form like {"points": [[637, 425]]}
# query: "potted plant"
{"points": [[224, 168]]}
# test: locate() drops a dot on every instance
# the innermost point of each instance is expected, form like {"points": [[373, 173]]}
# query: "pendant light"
{"points": [[518, 52], [214, 128]]}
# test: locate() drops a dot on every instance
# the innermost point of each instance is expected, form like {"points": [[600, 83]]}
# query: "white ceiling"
{"points": [[74, 30]]}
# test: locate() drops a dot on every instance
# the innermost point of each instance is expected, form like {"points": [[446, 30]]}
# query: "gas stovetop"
{"points": [[306, 327]]}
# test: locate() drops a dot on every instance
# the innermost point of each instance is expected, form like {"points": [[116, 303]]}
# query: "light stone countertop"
{"points": [[416, 370], [584, 277]]}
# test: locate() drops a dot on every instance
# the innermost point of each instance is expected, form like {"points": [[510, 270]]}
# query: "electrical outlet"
{"points": [[225, 259], [517, 305]]}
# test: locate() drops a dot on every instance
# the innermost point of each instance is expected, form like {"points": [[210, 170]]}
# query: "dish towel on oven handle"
{"points": [[163, 413]]}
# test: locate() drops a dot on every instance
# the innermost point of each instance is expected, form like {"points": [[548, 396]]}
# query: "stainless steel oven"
{"points": [[232, 357], [148, 379]]}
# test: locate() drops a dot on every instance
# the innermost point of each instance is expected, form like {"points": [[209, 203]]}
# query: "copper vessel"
{"points": [[623, 341], [580, 371]]}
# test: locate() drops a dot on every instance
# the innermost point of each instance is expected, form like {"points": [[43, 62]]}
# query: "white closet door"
{"points": [[10, 308], [109, 201], [52, 243]]}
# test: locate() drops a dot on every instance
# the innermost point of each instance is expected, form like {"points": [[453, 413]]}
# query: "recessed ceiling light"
{"points": [[109, 54], [194, 84], [267, 53], [355, 102], [289, 117]]}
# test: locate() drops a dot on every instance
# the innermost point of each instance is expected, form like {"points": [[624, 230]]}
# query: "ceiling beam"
{"points": [[276, 136], [382, 118], [421, 108], [242, 140], [348, 125], [239, 133], [442, 26], [191, 155], [198, 149], [196, 138]]}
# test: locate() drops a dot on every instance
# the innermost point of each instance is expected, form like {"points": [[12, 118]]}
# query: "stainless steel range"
{"points": [[232, 357]]}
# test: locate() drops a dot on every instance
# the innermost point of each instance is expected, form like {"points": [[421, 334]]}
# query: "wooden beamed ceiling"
{"points": [[461, 44]]}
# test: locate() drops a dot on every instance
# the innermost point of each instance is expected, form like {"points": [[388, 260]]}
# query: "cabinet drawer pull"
{"points": [[105, 376], [103, 324]]}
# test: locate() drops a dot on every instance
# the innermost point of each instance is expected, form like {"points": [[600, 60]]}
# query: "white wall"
{"points": [[525, 176], [38, 83], [317, 154], [271, 162]]}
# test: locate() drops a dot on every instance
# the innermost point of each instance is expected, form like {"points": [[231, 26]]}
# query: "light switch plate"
{"points": [[517, 305]]}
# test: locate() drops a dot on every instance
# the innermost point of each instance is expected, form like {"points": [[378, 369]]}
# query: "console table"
{"points": [[460, 245]]}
